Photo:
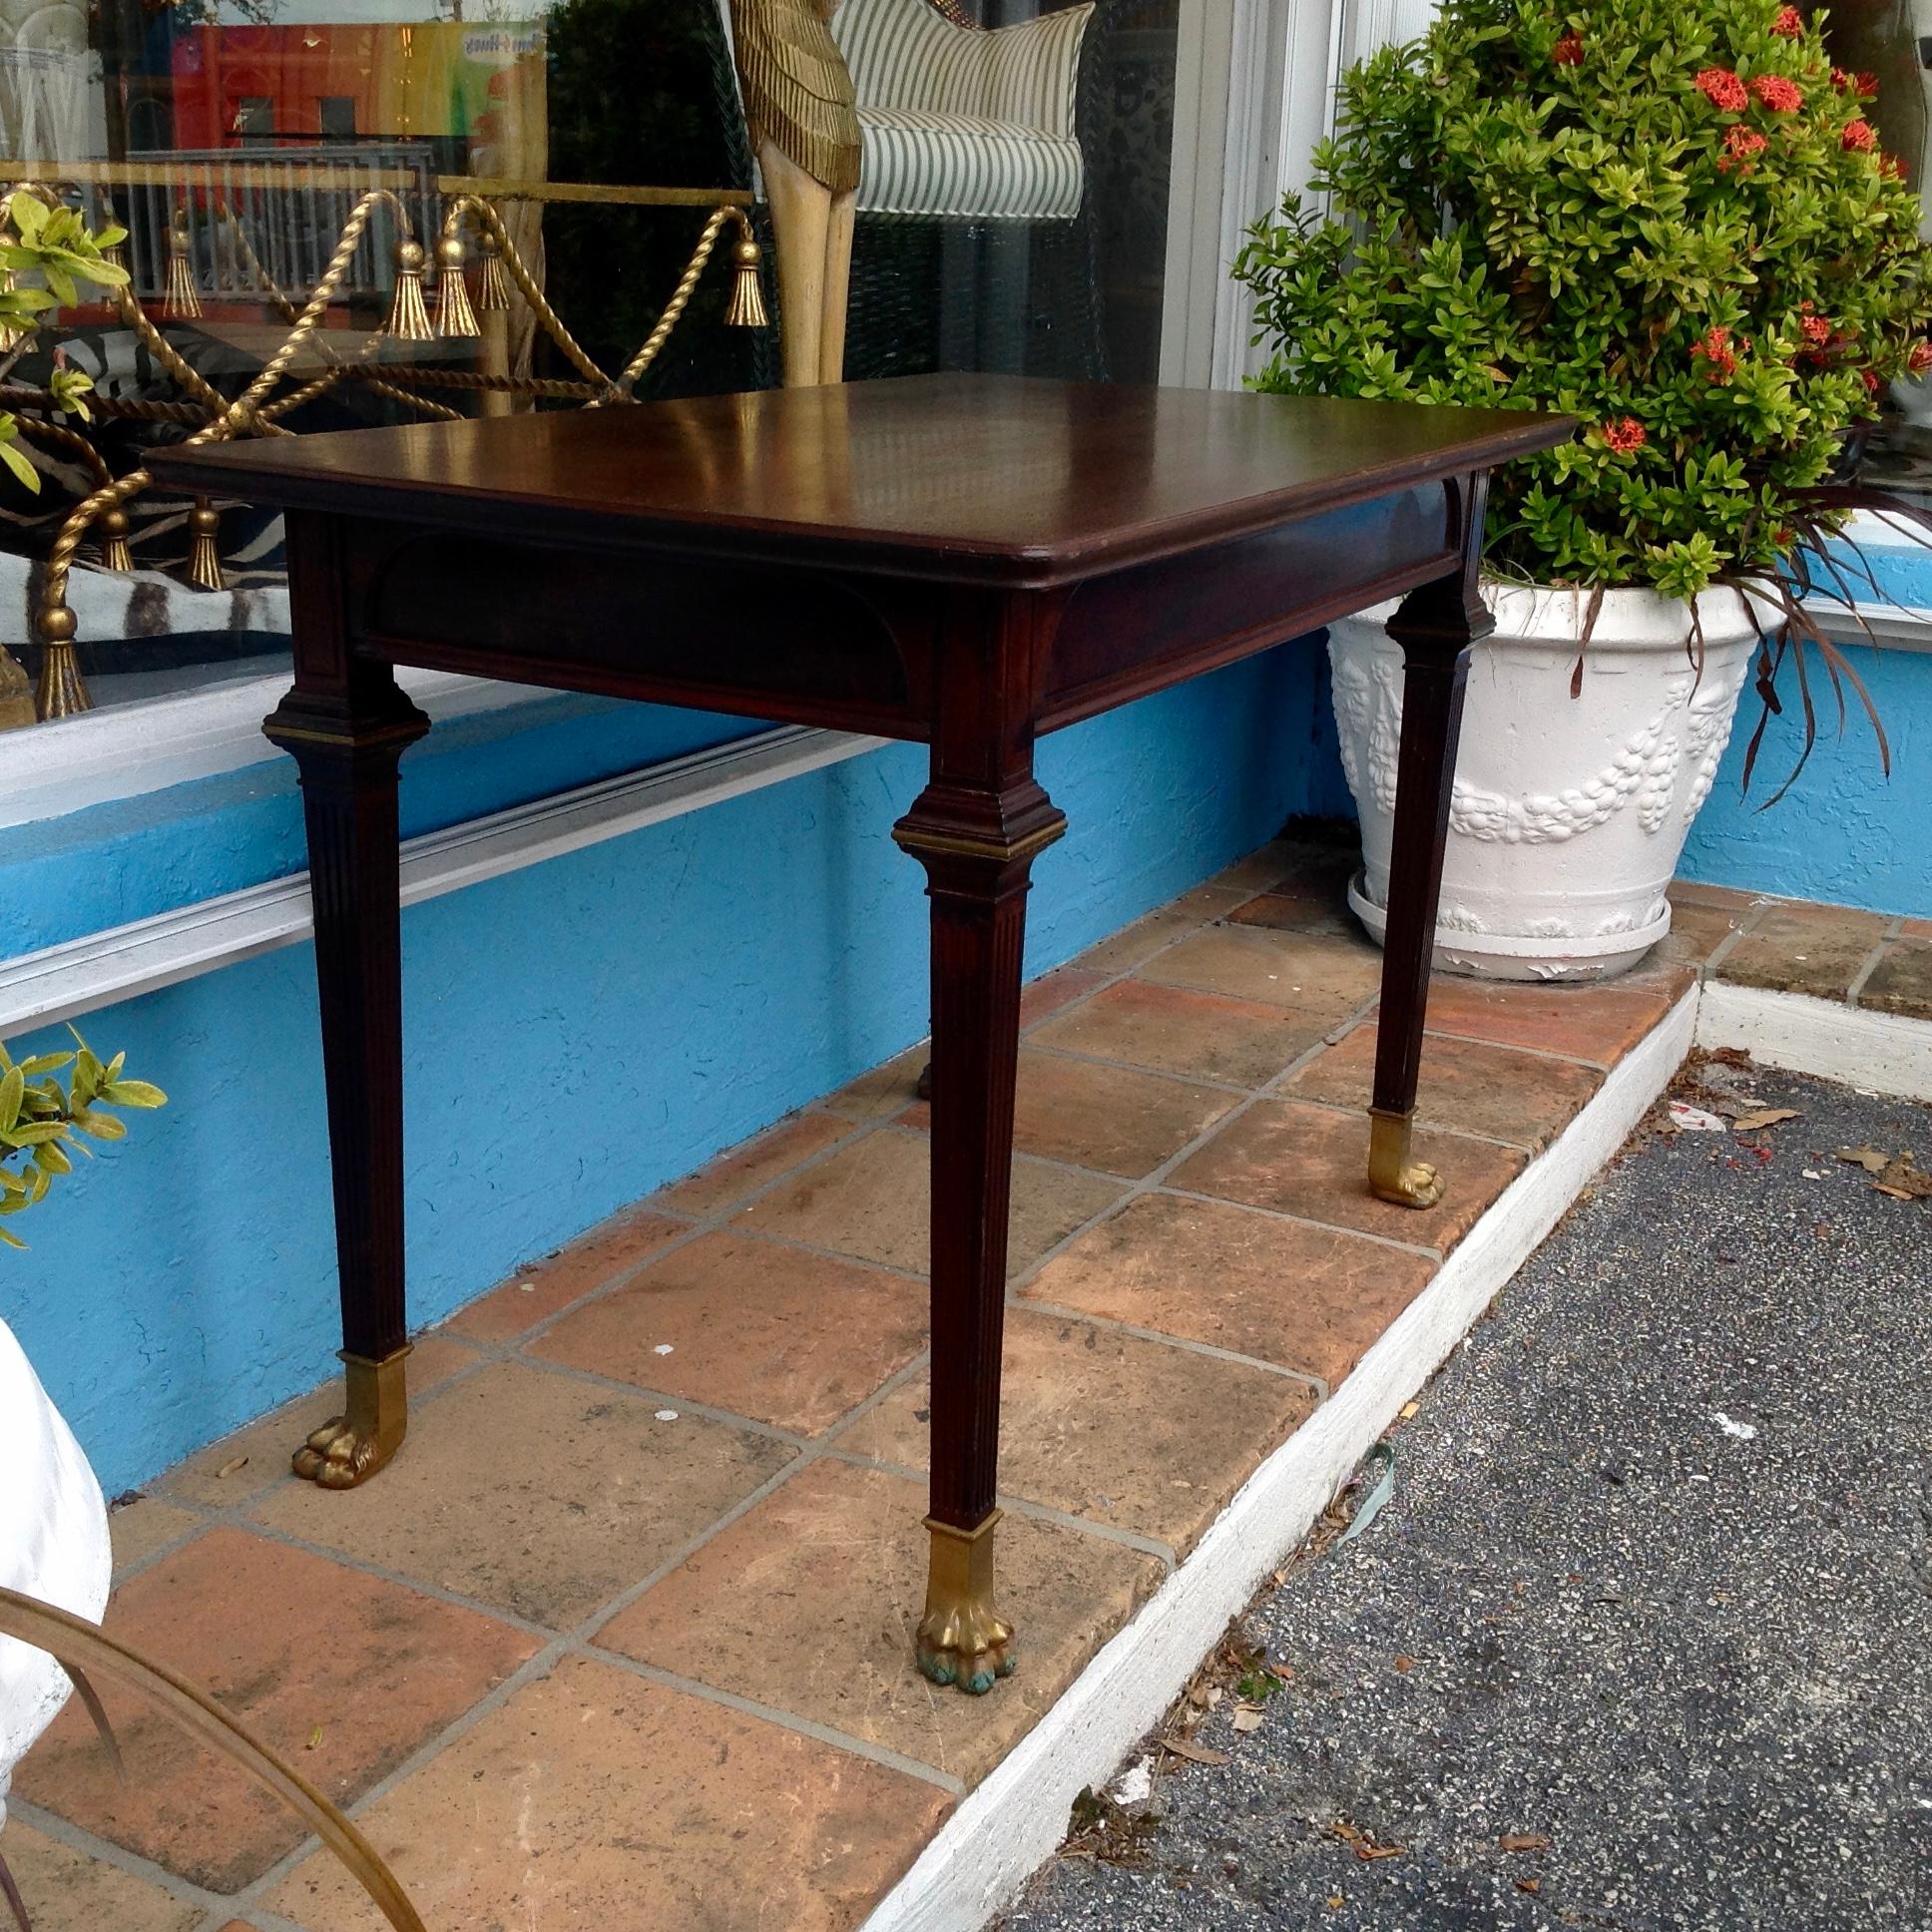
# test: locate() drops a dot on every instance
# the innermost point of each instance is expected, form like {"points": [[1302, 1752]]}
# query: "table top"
{"points": [[968, 478]]}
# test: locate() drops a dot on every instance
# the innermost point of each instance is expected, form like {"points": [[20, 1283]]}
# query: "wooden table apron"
{"points": [[975, 658]]}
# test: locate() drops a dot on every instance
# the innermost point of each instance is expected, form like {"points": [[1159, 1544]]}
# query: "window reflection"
{"points": [[1016, 224]]}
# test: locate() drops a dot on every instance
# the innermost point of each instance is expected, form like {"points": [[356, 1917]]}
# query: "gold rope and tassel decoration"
{"points": [[181, 300], [454, 315], [493, 282], [62, 690], [203, 549], [747, 308], [115, 553], [408, 313]]}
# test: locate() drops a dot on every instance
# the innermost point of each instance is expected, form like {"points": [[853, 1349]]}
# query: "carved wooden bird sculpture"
{"points": [[804, 120]]}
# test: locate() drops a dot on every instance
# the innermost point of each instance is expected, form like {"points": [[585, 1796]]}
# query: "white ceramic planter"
{"points": [[1570, 815], [53, 1545]]}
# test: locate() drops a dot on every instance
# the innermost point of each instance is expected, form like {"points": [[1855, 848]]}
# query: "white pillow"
{"points": [[53, 1545]]}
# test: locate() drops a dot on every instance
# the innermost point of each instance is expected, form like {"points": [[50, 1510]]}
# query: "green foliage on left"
{"points": [[46, 254], [42, 1116]]}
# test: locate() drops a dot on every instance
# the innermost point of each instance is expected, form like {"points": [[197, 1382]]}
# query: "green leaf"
{"points": [[13, 1089], [101, 1127], [24, 472], [133, 1092]]}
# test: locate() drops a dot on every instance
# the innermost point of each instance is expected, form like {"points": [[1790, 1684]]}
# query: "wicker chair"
{"points": [[975, 244]]}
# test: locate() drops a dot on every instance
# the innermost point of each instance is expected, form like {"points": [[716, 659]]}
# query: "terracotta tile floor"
{"points": [[623, 1636]]}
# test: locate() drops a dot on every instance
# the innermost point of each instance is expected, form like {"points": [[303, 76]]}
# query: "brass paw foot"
{"points": [[348, 1449], [961, 1642], [338, 1457], [1392, 1176]]}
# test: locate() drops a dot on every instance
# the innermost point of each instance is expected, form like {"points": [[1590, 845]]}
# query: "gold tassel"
{"points": [[115, 554], [747, 308], [181, 300], [454, 315], [203, 554], [63, 691], [408, 313], [493, 284]]}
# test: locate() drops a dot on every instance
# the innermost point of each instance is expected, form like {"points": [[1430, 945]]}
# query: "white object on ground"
{"points": [[53, 1545], [1694, 1120], [1743, 1431], [1569, 815], [1135, 1785]]}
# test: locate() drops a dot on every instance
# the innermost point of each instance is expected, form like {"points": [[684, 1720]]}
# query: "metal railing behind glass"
{"points": [[247, 213]]}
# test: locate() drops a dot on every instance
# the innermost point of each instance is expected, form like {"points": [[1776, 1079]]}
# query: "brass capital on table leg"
{"points": [[1392, 1176], [961, 1640], [349, 1448]]}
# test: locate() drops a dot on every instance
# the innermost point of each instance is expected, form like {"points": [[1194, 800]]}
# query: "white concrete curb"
{"points": [[1003, 1831], [1883, 1053]]}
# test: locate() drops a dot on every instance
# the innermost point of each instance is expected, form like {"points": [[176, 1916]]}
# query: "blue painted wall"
{"points": [[112, 864], [1844, 832], [578, 1034]]}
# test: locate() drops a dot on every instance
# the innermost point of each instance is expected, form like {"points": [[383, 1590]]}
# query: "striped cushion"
{"points": [[954, 165], [905, 56]]}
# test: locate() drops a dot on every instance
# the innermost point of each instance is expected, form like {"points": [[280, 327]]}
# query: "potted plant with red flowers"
{"points": [[1678, 225]]}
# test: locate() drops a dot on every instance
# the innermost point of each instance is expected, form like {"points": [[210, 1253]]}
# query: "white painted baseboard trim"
{"points": [[83, 975], [48, 770], [1884, 1053], [1011, 1824]]}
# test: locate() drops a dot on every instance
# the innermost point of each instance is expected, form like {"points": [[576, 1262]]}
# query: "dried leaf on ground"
{"points": [[1872, 1160], [1106, 1833], [1524, 1842], [1248, 1718], [232, 1468], [1763, 1116], [1903, 1181], [1192, 1753], [1362, 1843]]}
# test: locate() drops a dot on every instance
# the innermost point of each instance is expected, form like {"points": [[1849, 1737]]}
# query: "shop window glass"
{"points": [[233, 138]]}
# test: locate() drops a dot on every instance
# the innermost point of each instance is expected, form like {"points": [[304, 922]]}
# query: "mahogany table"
{"points": [[961, 561]]}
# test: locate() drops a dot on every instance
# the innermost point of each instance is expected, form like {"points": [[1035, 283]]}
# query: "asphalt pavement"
{"points": [[1642, 1638]]}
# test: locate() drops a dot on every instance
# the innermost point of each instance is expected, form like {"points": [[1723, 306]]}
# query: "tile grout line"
{"points": [[77, 1838], [1154, 1180], [1729, 944], [948, 1782], [1013, 1504], [1855, 989]]}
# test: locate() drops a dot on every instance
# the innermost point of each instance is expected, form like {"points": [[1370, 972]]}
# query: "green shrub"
{"points": [[1674, 222], [40, 1118]]}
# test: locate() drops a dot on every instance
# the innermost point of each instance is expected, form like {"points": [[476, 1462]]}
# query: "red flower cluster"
{"points": [[1865, 86], [1567, 51], [1625, 435], [1857, 137], [1741, 144], [1921, 358], [1816, 331], [1790, 23], [1871, 380], [1722, 89], [1778, 94], [1891, 168], [1714, 345]]}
